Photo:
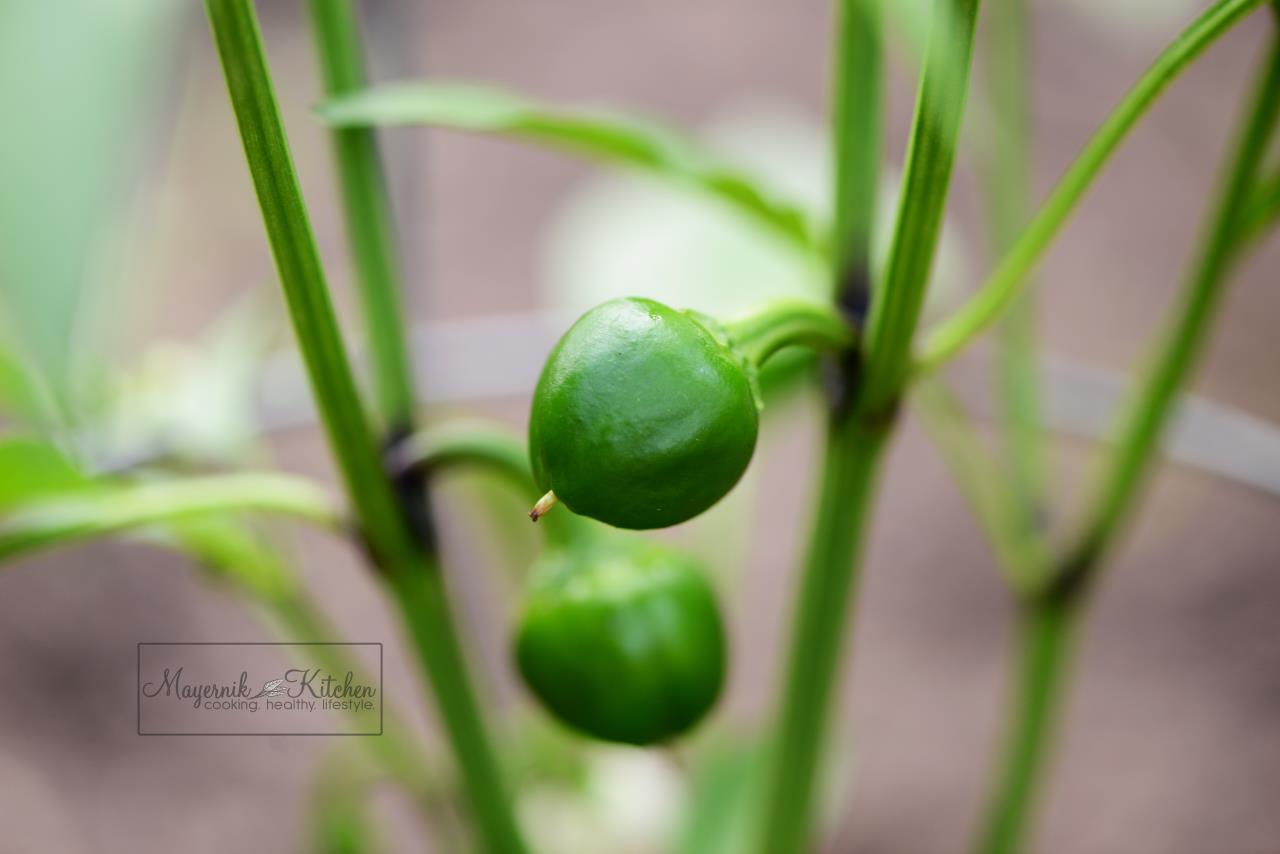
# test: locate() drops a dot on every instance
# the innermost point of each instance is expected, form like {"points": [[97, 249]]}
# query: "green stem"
{"points": [[1008, 177], [367, 209], [1044, 644], [472, 443], [849, 471], [1046, 639], [402, 551], [1263, 210], [1150, 407], [895, 312], [1009, 278], [857, 115], [861, 423], [788, 323]]}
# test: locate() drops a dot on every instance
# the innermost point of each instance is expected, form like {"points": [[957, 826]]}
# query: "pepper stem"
{"points": [[543, 507], [785, 323]]}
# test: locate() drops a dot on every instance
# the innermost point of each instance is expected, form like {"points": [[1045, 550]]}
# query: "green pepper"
{"points": [[643, 417], [622, 640]]}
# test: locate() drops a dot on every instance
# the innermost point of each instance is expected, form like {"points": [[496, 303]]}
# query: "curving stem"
{"points": [[1051, 613], [402, 549], [788, 323]]}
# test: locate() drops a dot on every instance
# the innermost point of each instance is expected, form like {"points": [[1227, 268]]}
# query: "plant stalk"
{"points": [[788, 323], [1175, 358], [1046, 632], [857, 116], [401, 548], [851, 461], [1051, 613], [1000, 289], [367, 210], [864, 405], [895, 312]]}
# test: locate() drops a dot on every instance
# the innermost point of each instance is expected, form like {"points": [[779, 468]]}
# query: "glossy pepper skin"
{"points": [[643, 417], [623, 644]]}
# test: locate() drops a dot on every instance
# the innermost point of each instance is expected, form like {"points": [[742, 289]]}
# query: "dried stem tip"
{"points": [[544, 505]]}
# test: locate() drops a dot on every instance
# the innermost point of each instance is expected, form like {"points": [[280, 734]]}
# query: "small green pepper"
{"points": [[644, 417], [622, 640]]}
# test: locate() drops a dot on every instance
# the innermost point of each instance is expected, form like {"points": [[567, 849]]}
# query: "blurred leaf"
{"points": [[338, 816], [44, 498], [113, 507], [35, 470], [233, 551], [76, 78], [597, 134], [343, 828]]}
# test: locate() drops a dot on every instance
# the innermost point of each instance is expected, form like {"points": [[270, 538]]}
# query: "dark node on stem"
{"points": [[841, 377], [398, 458], [409, 483], [854, 295], [1071, 576]]}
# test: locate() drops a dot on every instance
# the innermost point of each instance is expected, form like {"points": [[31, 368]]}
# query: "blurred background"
{"points": [[135, 279]]}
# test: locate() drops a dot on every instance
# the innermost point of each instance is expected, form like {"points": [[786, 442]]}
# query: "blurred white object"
{"points": [[630, 806]]}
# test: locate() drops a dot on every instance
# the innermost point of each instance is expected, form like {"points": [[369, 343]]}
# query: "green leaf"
{"points": [[34, 470], [113, 507], [594, 133], [233, 551]]}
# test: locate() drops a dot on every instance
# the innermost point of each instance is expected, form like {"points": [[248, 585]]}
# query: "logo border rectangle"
{"points": [[382, 705]]}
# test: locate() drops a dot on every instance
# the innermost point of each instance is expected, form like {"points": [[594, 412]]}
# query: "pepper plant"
{"points": [[647, 414]]}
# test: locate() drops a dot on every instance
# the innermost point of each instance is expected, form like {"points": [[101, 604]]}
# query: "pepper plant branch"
{"points": [[1044, 644], [860, 424], [1262, 211], [857, 115], [930, 156], [1009, 278], [1176, 356], [851, 463], [407, 562], [463, 443], [367, 210], [787, 323], [1050, 614]]}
